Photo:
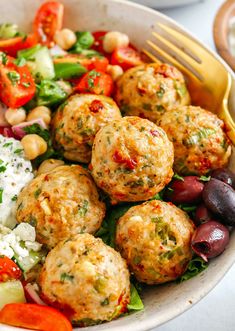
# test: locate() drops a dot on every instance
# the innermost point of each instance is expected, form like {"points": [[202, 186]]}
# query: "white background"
{"points": [[216, 312]]}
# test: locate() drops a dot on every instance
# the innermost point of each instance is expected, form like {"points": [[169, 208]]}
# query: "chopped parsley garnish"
{"points": [[105, 302], [18, 151], [176, 176], [7, 144], [14, 77], [64, 276], [14, 198], [4, 58], [1, 193], [37, 193], [205, 178], [26, 84], [83, 208], [161, 92], [3, 168]]}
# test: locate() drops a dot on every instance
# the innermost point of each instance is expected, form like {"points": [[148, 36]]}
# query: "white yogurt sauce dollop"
{"points": [[15, 172]]}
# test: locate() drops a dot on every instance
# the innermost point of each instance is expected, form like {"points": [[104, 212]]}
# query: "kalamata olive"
{"points": [[188, 190], [225, 175], [219, 198], [210, 239], [202, 215]]}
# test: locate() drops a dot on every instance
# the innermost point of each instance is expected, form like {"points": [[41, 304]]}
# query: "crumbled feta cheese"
{"points": [[15, 173], [25, 231], [13, 242], [35, 246]]}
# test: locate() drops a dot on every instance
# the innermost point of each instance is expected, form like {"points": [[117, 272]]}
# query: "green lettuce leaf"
{"points": [[135, 302], [195, 267]]}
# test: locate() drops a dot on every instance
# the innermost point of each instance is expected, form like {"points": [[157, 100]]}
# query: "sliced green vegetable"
{"points": [[68, 70], [29, 53], [11, 292], [39, 60], [135, 302], [84, 41], [50, 93], [195, 267], [8, 30]]}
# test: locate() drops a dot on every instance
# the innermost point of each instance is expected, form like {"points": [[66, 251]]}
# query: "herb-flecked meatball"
{"points": [[151, 89], [76, 123], [61, 203], [132, 159], [200, 144], [86, 279], [155, 239]]}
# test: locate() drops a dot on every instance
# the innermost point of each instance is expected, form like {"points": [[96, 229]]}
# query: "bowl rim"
{"points": [[149, 323]]}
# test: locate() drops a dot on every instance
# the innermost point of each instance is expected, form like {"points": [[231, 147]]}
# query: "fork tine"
{"points": [[191, 44], [189, 62], [168, 58], [151, 56]]}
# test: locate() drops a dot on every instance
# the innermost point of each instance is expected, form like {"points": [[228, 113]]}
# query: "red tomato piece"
{"points": [[13, 45], [8, 269], [128, 162], [98, 43], [96, 106], [17, 85], [126, 57], [48, 20], [36, 317], [96, 82], [168, 71]]}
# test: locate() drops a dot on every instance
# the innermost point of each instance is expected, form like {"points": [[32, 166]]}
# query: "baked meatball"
{"points": [[200, 144], [155, 240], [61, 203], [76, 124], [132, 159], [151, 89], [87, 279]]}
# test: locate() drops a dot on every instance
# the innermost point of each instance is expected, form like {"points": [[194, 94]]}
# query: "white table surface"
{"points": [[216, 312]]}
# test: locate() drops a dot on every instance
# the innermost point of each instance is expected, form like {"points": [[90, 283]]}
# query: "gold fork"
{"points": [[208, 81]]}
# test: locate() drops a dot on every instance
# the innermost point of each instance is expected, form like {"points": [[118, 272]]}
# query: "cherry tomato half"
{"points": [[13, 45], [48, 20], [126, 57], [8, 269]]}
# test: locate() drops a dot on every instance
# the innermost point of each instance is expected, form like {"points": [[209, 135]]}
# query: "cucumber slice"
{"points": [[39, 60], [11, 292], [28, 262], [44, 64]]}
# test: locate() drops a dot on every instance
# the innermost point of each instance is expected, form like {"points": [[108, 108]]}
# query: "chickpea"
{"points": [[15, 116], [40, 112], [65, 38], [114, 39], [65, 86], [49, 165], [33, 145], [115, 71]]}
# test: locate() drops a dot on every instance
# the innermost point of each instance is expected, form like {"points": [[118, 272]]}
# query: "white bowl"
{"points": [[162, 303]]}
